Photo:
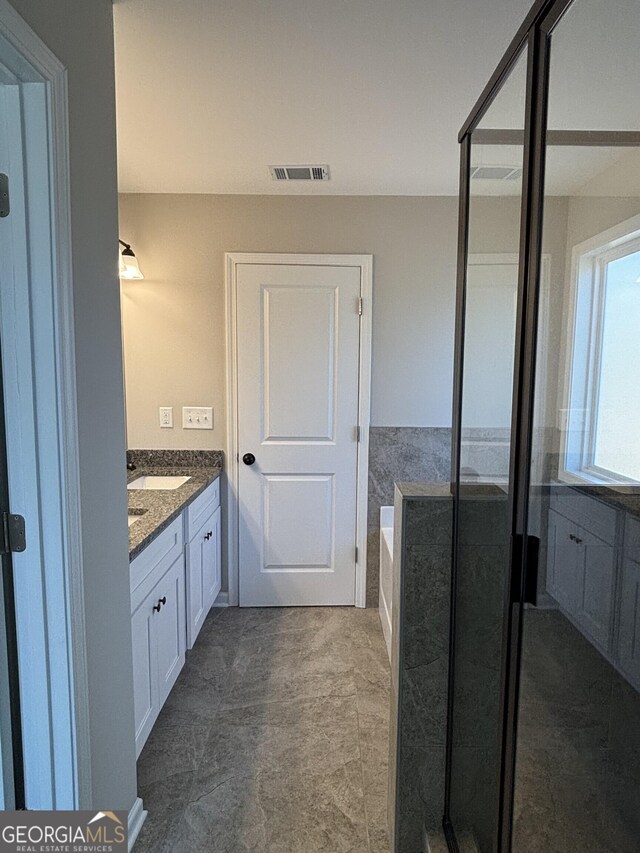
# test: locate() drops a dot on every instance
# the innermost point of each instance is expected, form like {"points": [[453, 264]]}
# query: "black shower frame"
{"points": [[534, 36]]}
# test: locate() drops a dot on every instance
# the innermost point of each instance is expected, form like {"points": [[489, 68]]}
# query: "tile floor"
{"points": [[274, 739], [578, 768]]}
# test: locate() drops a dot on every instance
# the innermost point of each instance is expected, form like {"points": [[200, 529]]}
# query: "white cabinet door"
{"points": [[563, 576], [581, 577], [596, 563], [212, 568], [204, 574], [145, 667], [629, 631], [169, 628], [196, 592]]}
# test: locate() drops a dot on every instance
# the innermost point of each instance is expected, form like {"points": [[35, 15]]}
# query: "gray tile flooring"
{"points": [[578, 767], [274, 739]]}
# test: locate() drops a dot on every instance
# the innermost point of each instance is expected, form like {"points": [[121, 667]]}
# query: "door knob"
{"points": [[248, 458]]}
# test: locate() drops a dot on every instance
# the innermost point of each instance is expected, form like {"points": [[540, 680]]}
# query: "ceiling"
{"points": [[212, 92]]}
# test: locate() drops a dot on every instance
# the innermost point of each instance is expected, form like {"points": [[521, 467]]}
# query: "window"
{"points": [[602, 432]]}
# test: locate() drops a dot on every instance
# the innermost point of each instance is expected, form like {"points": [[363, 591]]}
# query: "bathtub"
{"points": [[386, 572]]}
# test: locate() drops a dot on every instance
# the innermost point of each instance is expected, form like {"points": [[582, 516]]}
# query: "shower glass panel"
{"points": [[483, 529], [577, 778]]}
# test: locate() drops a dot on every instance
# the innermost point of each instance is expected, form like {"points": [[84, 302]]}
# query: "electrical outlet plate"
{"points": [[166, 417], [197, 417]]}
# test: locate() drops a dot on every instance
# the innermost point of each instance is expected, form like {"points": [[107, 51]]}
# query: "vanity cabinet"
{"points": [[157, 625], [582, 569], [203, 558], [562, 572], [145, 679], [174, 583], [169, 629], [629, 631], [593, 573]]}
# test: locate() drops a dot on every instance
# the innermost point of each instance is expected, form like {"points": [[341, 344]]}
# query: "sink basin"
{"points": [[157, 482]]}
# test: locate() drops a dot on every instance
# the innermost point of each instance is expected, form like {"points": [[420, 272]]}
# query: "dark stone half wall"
{"points": [[400, 454]]}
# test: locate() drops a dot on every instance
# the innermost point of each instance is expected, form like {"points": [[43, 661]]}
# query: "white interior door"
{"points": [[298, 330]]}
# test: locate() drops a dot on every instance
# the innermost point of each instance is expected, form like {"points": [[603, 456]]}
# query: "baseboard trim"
{"points": [[137, 816], [222, 600]]}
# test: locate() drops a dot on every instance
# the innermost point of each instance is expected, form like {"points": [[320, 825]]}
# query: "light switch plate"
{"points": [[166, 417], [197, 417]]}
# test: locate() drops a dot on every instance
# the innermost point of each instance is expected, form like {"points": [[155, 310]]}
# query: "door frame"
{"points": [[39, 351], [365, 264]]}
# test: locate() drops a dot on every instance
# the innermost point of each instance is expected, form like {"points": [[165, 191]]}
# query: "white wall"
{"points": [[174, 320], [80, 33]]}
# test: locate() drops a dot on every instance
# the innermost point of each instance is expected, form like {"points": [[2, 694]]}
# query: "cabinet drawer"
{"points": [[588, 513], [149, 566], [203, 506], [632, 538]]}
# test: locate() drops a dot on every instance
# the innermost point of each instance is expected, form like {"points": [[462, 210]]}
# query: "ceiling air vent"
{"points": [[496, 173], [300, 173]]}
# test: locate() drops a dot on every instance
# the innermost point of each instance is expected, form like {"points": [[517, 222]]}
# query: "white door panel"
{"points": [[298, 521], [304, 361], [298, 363]]}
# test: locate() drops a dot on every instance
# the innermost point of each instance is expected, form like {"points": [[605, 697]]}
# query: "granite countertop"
{"points": [[159, 507], [626, 498]]}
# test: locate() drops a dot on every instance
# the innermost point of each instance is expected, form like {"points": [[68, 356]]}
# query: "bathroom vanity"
{"points": [[593, 569], [175, 571]]}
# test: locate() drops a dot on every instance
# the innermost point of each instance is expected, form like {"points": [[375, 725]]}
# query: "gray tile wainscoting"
{"points": [[419, 661], [407, 454], [485, 451]]}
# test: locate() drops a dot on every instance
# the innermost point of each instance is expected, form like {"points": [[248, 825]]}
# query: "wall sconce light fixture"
{"points": [[129, 267]]}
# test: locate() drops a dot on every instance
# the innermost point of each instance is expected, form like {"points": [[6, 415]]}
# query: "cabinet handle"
{"points": [[207, 536], [575, 539], [161, 601]]}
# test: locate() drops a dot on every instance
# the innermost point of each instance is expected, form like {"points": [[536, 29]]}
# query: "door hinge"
{"points": [[13, 533], [356, 553], [358, 434], [360, 306], [4, 196]]}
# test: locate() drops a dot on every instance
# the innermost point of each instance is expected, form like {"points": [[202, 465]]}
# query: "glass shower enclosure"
{"points": [[543, 741]]}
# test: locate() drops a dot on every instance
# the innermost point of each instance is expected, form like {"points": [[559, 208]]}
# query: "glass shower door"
{"points": [[482, 533], [577, 777]]}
